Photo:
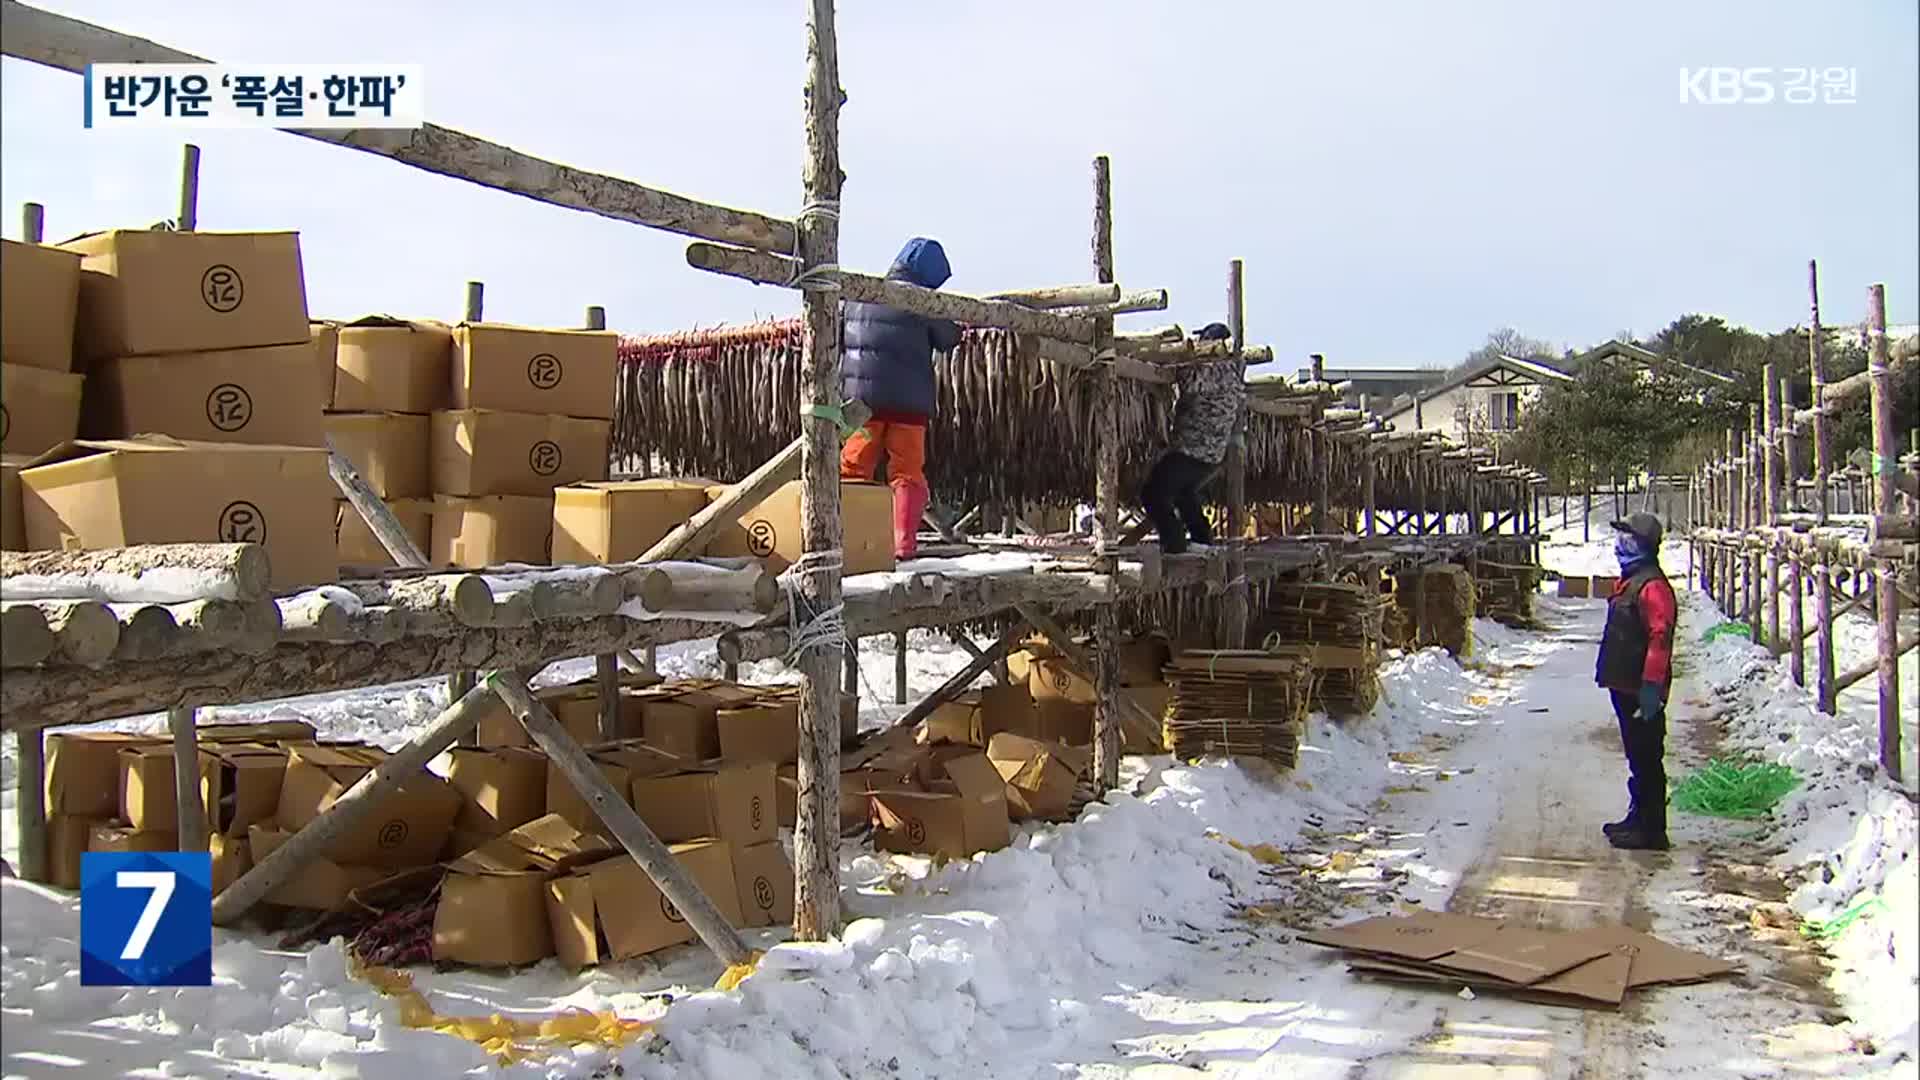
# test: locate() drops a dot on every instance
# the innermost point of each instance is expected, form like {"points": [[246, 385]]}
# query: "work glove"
{"points": [[1653, 699]]}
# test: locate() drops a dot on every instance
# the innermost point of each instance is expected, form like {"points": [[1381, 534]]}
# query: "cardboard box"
{"points": [[117, 836], [39, 409], [611, 910], [232, 857], [356, 546], [326, 349], [90, 495], [1040, 776], [734, 803], [263, 396], [389, 449], [576, 707], [392, 365], [264, 731], [240, 785], [764, 878], [67, 837], [146, 788], [965, 814], [618, 520], [13, 531], [854, 785], [767, 731], [975, 717], [144, 292], [83, 771], [493, 901], [39, 299], [501, 788], [621, 764], [558, 372], [771, 530], [491, 530], [321, 885], [410, 827], [686, 725], [477, 452]]}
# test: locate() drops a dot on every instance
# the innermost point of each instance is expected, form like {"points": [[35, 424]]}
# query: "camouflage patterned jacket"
{"points": [[1213, 400]]}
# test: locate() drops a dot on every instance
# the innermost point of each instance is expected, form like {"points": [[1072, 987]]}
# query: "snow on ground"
{"points": [[1102, 946]]}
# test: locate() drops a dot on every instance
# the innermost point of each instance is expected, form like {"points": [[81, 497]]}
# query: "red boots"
{"points": [[909, 503]]}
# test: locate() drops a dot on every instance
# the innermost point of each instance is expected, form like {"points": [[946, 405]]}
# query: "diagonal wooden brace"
{"points": [[633, 833], [1140, 726]]}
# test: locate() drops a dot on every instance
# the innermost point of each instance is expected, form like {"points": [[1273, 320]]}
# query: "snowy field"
{"points": [[1138, 939]]}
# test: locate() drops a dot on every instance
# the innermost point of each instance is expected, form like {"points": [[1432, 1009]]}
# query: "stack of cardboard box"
{"points": [[200, 410], [39, 388], [112, 791], [531, 411], [1063, 701], [383, 377]]}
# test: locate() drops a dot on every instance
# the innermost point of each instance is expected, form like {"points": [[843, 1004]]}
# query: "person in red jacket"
{"points": [[1636, 668]]}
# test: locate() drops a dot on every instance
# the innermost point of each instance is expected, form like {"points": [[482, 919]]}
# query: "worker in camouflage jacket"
{"points": [[1635, 666], [1209, 416], [887, 363]]}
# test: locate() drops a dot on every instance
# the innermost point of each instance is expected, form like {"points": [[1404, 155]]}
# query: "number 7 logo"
{"points": [[161, 882], [146, 918]]}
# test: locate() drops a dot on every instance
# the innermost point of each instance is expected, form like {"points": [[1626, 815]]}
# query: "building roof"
{"points": [[1617, 349], [1532, 369]]}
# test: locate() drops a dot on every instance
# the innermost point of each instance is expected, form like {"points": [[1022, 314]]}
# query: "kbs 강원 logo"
{"points": [[146, 918], [229, 407], [221, 288]]}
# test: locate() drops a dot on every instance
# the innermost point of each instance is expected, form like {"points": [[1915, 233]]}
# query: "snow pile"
{"points": [[1849, 833]]}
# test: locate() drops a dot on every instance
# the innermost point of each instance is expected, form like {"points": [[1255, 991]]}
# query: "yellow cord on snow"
{"points": [[508, 1039], [733, 976]]}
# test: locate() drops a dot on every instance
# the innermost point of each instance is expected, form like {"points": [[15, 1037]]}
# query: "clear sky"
{"points": [[1399, 177]]}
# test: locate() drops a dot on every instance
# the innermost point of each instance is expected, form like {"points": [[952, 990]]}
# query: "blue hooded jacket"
{"points": [[887, 354]]}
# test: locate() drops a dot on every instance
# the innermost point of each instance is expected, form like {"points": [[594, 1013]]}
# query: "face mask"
{"points": [[1629, 551]]}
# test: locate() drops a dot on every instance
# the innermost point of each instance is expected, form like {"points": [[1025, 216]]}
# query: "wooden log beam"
{"points": [[147, 631], [766, 269], [704, 588], [30, 807], [1059, 296], [693, 536], [467, 598], [372, 624], [24, 638], [84, 632], [613, 809], [1860, 674], [1080, 357], [71, 45], [143, 573], [190, 811], [1887, 604], [1132, 302], [1234, 611]]}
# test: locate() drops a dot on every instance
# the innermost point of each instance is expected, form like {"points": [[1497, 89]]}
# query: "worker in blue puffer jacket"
{"points": [[887, 363]]}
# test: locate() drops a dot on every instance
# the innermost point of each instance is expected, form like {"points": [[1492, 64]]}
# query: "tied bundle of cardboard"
{"points": [[1239, 703], [184, 359], [1593, 968]]}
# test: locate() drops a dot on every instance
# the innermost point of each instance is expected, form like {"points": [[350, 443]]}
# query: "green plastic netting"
{"points": [[1822, 929], [1731, 789], [1724, 628]]}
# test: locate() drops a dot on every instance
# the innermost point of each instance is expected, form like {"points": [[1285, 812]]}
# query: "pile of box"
{"points": [[1062, 701], [1589, 968], [1345, 623], [465, 431]]}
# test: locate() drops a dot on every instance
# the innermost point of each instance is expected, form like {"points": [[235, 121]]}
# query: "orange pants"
{"points": [[905, 446]]}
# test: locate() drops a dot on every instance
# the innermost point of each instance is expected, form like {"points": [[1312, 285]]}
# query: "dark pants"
{"points": [[1172, 500], [1645, 741]]}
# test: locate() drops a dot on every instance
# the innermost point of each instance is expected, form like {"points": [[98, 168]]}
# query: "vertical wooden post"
{"points": [[33, 223], [1822, 449], [817, 828], [1887, 597], [1322, 461], [186, 779], [850, 669], [1233, 611], [189, 202], [1789, 446], [460, 682], [1770, 504], [1370, 464], [1106, 629], [1823, 658], [1796, 618], [606, 666], [900, 667], [30, 805]]}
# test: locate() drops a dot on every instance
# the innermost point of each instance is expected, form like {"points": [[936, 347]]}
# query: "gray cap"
{"points": [[1643, 525]]}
